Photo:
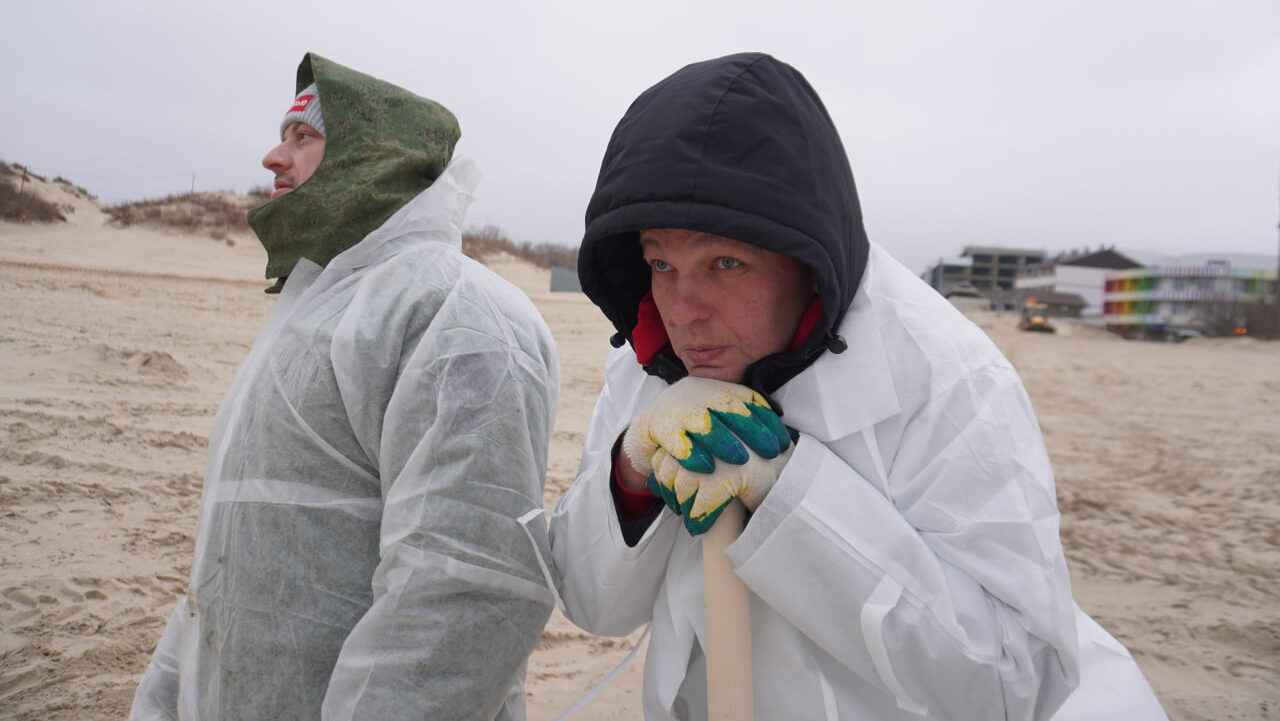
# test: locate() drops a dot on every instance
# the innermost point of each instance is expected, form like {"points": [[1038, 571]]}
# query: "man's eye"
{"points": [[725, 263], [660, 265]]}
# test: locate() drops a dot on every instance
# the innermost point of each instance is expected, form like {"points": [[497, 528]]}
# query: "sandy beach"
{"points": [[117, 346]]}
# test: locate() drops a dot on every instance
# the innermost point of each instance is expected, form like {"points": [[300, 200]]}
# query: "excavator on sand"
{"points": [[1035, 317]]}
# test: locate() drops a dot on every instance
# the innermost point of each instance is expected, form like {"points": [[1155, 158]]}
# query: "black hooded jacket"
{"points": [[741, 147]]}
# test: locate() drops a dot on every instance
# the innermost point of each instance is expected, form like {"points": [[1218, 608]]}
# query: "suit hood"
{"points": [[741, 147], [383, 146]]}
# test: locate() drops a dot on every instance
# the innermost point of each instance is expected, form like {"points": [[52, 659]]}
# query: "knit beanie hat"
{"points": [[305, 109]]}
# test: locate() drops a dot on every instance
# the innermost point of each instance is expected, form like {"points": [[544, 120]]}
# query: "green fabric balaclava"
{"points": [[383, 146]]}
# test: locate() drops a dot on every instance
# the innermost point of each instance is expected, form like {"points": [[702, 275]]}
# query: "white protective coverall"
{"points": [[906, 564], [358, 543]]}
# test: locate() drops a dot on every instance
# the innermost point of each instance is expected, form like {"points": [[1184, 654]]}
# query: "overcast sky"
{"points": [[1147, 124]]}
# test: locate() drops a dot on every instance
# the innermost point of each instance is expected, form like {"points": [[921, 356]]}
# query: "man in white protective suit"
{"points": [[359, 553], [902, 551]]}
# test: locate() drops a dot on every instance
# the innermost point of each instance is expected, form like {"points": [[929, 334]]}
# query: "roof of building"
{"points": [[1192, 271], [1251, 261], [1107, 258], [1000, 250], [962, 290]]}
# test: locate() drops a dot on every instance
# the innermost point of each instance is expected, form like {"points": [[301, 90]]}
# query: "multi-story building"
{"points": [[1176, 300], [1083, 273], [983, 267]]}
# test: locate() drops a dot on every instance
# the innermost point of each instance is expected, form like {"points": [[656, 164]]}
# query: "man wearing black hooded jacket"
{"points": [[903, 553]]}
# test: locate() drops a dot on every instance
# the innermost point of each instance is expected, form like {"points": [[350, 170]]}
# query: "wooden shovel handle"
{"points": [[728, 609]]}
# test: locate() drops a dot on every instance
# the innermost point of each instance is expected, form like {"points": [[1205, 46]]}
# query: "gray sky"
{"points": [[1147, 124]]}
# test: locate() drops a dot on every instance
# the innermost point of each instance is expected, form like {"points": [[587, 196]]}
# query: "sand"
{"points": [[117, 347]]}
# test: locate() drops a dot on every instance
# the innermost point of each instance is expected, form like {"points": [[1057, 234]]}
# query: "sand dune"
{"points": [[118, 346]]}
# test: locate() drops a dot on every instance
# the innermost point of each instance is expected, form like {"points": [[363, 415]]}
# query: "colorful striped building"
{"points": [[1176, 301]]}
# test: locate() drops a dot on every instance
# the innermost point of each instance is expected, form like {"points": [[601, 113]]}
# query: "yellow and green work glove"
{"points": [[703, 442]]}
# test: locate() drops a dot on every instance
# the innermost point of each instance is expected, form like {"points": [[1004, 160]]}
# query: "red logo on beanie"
{"points": [[301, 103]]}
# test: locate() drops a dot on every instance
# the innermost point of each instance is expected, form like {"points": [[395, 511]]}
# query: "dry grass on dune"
{"points": [[22, 205], [217, 214]]}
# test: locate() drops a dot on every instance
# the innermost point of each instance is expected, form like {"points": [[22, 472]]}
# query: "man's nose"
{"points": [[276, 159], [690, 302]]}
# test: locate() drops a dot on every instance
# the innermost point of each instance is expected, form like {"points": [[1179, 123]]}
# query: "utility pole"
{"points": [[22, 201]]}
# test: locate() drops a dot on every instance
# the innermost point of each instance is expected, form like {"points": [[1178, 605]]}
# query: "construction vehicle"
{"points": [[1035, 317]]}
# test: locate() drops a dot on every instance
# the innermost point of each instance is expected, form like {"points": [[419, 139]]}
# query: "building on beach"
{"points": [[1082, 273], [1192, 295], [983, 267]]}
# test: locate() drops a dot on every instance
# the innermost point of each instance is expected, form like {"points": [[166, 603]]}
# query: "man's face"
{"points": [[725, 304], [295, 158]]}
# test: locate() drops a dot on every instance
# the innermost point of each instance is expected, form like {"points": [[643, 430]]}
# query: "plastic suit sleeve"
{"points": [[952, 595], [459, 599], [157, 696], [608, 587]]}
